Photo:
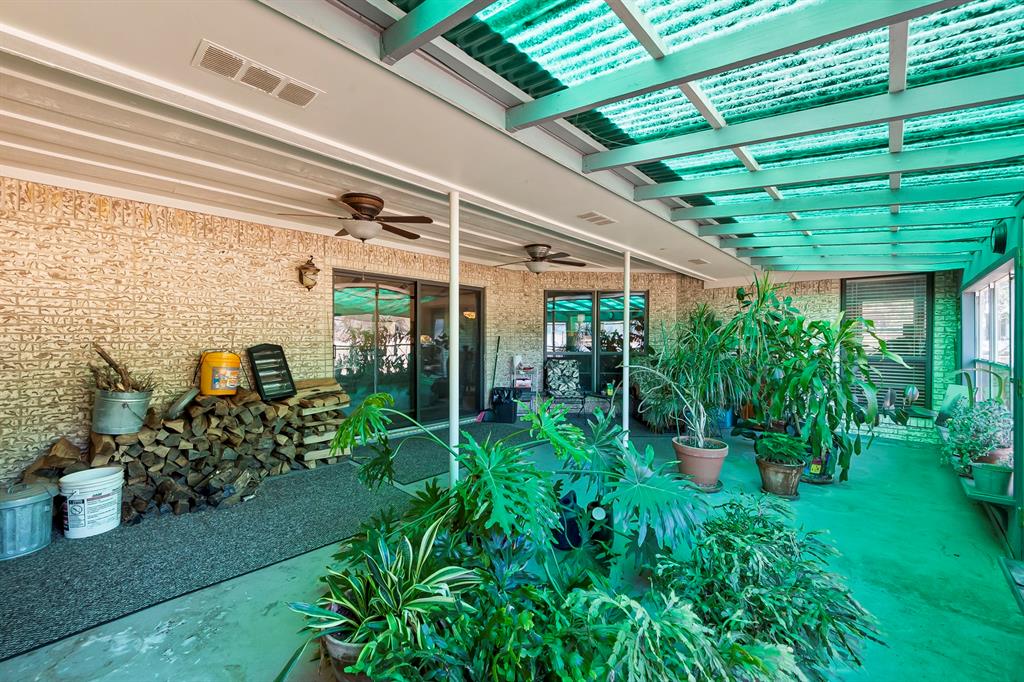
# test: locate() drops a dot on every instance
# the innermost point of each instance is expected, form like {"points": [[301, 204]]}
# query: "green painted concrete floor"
{"points": [[917, 554]]}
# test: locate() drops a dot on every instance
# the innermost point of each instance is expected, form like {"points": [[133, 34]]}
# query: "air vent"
{"points": [[261, 79], [699, 261], [596, 218], [224, 62]]}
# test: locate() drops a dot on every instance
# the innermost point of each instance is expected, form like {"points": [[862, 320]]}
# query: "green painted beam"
{"points": [[973, 91], [964, 249], [853, 266], [882, 197], [947, 156], [425, 22], [883, 236], [827, 263], [855, 222], [776, 33]]}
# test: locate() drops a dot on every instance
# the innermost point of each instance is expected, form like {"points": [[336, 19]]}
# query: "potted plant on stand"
{"points": [[700, 366], [781, 459], [979, 441]]}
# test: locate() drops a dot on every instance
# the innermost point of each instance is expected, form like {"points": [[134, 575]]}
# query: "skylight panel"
{"points": [[691, 22], [972, 38], [655, 115], [573, 40], [847, 143], [704, 165], [964, 125], [1006, 171], [848, 68]]}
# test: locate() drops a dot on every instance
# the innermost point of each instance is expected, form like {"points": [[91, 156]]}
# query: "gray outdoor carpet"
{"points": [[420, 458], [74, 585]]}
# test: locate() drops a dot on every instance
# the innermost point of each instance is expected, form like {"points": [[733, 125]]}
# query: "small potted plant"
{"points": [[977, 430], [781, 458], [382, 595]]}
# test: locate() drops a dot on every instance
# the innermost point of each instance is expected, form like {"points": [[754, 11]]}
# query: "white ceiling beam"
{"points": [[899, 38], [639, 26]]}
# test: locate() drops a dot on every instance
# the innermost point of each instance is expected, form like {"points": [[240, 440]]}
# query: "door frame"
{"points": [[417, 283]]}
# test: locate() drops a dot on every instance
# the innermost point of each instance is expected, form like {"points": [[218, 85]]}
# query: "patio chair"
{"points": [[562, 383]]}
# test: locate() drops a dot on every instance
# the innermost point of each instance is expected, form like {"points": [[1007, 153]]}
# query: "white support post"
{"points": [[454, 394], [626, 293]]}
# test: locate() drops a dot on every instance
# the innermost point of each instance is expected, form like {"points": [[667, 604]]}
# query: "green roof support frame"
{"points": [[864, 262], [890, 266], [964, 249], [947, 156], [935, 217], [917, 236], [972, 91], [427, 21], [884, 197], [778, 33]]}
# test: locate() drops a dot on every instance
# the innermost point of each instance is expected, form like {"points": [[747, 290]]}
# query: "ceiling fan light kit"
{"points": [[537, 266], [364, 223], [364, 229]]}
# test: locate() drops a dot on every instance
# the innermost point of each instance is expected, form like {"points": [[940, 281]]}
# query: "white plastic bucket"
{"points": [[92, 503]]}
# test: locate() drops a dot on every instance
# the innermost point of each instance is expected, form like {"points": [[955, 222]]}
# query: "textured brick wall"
{"points": [[158, 285]]}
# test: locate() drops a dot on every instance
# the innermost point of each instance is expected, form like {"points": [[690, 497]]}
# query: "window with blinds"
{"points": [[900, 307]]}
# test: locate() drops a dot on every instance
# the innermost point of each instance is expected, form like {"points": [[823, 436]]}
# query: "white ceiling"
{"points": [[108, 95]]}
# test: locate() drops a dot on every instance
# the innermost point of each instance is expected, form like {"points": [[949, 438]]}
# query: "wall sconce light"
{"points": [[307, 274]]}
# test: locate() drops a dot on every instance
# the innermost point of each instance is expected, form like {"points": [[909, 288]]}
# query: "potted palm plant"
{"points": [[699, 364], [781, 459]]}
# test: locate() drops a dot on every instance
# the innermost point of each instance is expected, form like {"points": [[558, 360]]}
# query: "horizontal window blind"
{"points": [[899, 307]]}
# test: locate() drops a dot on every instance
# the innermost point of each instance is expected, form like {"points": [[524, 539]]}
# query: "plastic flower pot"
{"points": [[992, 479], [780, 479], [342, 655], [702, 465]]}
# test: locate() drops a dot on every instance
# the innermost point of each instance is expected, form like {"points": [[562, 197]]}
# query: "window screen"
{"points": [[899, 307]]}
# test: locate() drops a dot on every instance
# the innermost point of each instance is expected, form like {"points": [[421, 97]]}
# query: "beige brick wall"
{"points": [[157, 285]]}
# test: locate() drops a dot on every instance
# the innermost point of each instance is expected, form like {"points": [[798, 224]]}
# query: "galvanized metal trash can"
{"points": [[26, 518]]}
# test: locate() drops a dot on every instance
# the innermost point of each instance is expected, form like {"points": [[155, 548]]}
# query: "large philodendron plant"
{"points": [[700, 364]]}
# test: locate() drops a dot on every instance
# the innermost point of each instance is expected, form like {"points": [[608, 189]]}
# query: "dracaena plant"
{"points": [[699, 364]]}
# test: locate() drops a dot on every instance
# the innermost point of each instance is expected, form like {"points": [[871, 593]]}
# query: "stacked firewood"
{"points": [[214, 454]]}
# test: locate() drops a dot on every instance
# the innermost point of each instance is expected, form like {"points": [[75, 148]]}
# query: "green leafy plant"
{"points": [[699, 364], [383, 598], [781, 448], [755, 577], [976, 430]]}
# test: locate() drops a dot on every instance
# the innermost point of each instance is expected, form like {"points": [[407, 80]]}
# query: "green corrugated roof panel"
{"points": [[975, 37], [837, 144]]}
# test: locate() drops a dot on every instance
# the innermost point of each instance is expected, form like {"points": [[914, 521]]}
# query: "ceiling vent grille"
{"points": [[223, 62], [596, 218]]}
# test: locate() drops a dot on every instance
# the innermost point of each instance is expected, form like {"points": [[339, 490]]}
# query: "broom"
{"points": [[494, 374]]}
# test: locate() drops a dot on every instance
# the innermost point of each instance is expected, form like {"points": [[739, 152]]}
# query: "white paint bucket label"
{"points": [[98, 510]]}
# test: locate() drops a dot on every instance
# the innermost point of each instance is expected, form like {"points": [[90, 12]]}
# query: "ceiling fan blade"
{"points": [[311, 215], [560, 254], [515, 262], [422, 219], [399, 231], [341, 233], [575, 264]]}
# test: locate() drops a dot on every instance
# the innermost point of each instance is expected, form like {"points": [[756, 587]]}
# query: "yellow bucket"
{"points": [[219, 372]]}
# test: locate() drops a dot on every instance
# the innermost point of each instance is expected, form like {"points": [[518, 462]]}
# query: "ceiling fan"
{"points": [[365, 224], [540, 259]]}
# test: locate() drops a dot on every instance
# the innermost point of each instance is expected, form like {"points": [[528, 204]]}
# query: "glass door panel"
{"points": [[394, 343], [434, 348], [355, 356], [610, 339], [569, 322]]}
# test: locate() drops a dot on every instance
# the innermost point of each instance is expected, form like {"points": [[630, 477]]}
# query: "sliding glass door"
{"points": [[391, 335]]}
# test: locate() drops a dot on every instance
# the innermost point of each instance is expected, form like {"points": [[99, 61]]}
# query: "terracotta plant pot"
{"points": [[342, 655], [780, 479], [992, 479], [702, 465], [1002, 456]]}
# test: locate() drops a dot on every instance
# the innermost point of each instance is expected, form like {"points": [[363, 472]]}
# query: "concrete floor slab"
{"points": [[916, 552]]}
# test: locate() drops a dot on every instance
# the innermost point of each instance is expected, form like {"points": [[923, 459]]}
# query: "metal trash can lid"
{"points": [[18, 494]]}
